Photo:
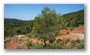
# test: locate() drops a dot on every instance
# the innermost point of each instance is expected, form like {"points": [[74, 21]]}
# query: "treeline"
{"points": [[45, 25], [15, 27], [74, 19]]}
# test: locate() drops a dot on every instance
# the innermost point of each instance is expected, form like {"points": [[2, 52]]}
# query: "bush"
{"points": [[29, 35], [78, 40], [65, 47], [66, 40], [80, 45], [58, 41], [37, 46], [29, 44], [51, 40], [55, 45], [18, 47], [73, 43]]}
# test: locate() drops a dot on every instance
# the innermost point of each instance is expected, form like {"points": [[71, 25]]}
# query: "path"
{"points": [[81, 36]]}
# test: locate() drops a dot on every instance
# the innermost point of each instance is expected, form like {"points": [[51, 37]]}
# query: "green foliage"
{"points": [[73, 43], [15, 27], [47, 24], [78, 40], [18, 47], [59, 40], [65, 47], [55, 45], [80, 45], [74, 19], [51, 40], [29, 44], [37, 46], [66, 40]]}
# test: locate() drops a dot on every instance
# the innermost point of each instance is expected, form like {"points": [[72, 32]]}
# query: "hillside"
{"points": [[15, 26], [75, 18], [48, 30]]}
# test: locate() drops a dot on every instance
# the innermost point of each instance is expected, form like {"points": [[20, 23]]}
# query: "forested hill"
{"points": [[8, 21], [52, 19], [77, 12], [74, 18], [15, 26]]}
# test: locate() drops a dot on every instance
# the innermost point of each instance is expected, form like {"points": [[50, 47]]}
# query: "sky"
{"points": [[29, 11]]}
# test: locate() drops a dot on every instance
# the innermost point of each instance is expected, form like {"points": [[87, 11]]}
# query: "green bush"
{"points": [[55, 45], [29, 44], [66, 40], [58, 41], [51, 40], [18, 47], [78, 40], [73, 43], [80, 45], [37, 46], [65, 47]]}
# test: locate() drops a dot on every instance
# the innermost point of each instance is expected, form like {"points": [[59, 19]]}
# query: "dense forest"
{"points": [[45, 25]]}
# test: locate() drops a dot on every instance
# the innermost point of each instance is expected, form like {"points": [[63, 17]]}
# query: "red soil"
{"points": [[79, 30], [63, 31]]}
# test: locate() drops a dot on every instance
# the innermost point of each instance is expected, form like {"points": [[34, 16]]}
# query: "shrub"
{"points": [[51, 40], [37, 46], [29, 44], [73, 43], [78, 40], [29, 35], [80, 45], [18, 47], [55, 45], [66, 40], [48, 46], [58, 41], [65, 47]]}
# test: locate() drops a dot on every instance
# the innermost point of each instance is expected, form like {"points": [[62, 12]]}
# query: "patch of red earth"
{"points": [[63, 31], [33, 40], [6, 39], [12, 45], [23, 46], [78, 30]]}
